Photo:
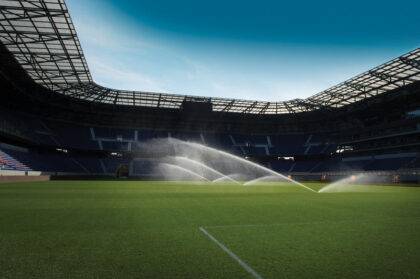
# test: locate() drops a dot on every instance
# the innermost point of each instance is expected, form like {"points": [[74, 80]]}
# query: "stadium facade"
{"points": [[54, 118]]}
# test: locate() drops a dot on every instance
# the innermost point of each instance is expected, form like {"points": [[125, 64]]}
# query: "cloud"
{"points": [[126, 54], [113, 76]]}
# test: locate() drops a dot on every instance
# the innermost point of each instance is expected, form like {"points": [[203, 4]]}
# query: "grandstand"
{"points": [[56, 119], [94, 206]]}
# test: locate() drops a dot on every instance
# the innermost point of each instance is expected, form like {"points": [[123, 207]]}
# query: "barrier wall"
{"points": [[16, 178]]}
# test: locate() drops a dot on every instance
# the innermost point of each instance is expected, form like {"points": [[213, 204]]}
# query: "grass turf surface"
{"points": [[104, 229]]}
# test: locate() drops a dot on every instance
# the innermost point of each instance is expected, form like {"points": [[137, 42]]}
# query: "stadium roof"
{"points": [[41, 36]]}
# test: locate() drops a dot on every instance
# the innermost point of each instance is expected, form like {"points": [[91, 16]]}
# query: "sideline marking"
{"points": [[231, 254]]}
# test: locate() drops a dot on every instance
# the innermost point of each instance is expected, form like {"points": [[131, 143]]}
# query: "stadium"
{"points": [[99, 182]]}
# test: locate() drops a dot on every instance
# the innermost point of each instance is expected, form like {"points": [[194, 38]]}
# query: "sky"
{"points": [[269, 50]]}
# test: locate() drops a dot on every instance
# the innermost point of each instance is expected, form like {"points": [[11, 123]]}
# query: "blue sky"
{"points": [[262, 50]]}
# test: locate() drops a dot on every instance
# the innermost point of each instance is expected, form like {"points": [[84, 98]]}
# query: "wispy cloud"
{"points": [[135, 59], [118, 77]]}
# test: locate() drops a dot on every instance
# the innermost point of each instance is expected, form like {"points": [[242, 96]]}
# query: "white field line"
{"points": [[252, 271], [244, 265]]}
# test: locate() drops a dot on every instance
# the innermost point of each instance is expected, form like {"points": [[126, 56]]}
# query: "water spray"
{"points": [[214, 161]]}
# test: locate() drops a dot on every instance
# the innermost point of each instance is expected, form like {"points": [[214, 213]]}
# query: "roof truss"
{"points": [[41, 36]]}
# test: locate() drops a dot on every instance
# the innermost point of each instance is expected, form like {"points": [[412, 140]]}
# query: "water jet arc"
{"points": [[186, 160], [267, 178], [183, 170], [202, 149], [346, 184]]}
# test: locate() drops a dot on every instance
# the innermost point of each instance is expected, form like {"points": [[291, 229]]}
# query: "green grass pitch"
{"points": [[127, 229]]}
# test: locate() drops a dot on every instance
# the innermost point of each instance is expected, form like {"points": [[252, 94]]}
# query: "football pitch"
{"points": [[128, 229]]}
